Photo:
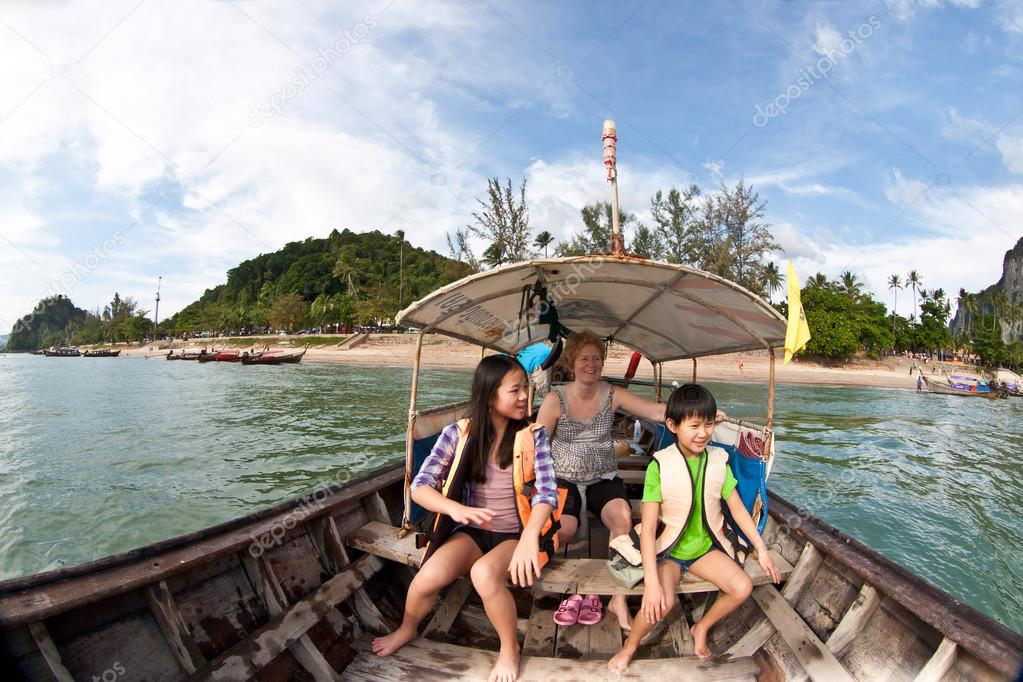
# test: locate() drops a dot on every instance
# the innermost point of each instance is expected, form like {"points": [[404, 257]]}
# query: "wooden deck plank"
{"points": [[941, 662], [262, 577], [541, 631], [605, 636], [172, 625], [590, 576], [326, 537], [449, 607], [810, 561], [246, 658], [50, 652], [423, 660], [854, 620], [381, 539], [820, 664]]}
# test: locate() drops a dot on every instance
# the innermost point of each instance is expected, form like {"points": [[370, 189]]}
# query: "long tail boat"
{"points": [[297, 591], [963, 386], [274, 358], [101, 353], [63, 352]]}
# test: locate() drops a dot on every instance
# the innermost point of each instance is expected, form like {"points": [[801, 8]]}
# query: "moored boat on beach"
{"points": [[62, 352], [969, 387], [1010, 382], [274, 358], [101, 353]]}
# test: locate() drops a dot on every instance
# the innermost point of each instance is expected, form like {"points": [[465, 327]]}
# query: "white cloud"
{"points": [[1011, 149], [164, 103]]}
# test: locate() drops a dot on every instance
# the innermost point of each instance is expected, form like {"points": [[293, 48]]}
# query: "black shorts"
{"points": [[597, 495], [486, 540]]}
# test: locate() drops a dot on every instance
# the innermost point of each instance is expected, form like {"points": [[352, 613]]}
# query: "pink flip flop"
{"points": [[591, 611], [568, 612]]}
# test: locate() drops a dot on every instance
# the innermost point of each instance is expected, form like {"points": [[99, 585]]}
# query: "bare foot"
{"points": [[506, 669], [385, 646], [618, 607], [699, 632], [621, 660]]}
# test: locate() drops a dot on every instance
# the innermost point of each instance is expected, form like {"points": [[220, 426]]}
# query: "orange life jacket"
{"points": [[524, 478]]}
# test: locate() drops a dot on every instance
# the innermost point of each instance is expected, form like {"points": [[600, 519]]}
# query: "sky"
{"points": [[153, 138]]}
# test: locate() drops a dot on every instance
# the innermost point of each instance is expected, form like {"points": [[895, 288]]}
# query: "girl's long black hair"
{"points": [[485, 382]]}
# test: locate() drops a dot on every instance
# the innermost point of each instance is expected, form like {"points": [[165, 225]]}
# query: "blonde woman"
{"points": [[580, 417]]}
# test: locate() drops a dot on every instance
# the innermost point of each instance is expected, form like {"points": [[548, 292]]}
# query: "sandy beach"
{"points": [[398, 350]]}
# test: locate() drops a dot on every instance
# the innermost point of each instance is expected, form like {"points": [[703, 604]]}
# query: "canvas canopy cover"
{"points": [[664, 311]]}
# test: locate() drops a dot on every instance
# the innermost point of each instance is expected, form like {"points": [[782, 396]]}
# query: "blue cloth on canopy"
{"points": [[533, 356]]}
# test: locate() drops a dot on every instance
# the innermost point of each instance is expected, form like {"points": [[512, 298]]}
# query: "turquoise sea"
{"points": [[102, 455]]}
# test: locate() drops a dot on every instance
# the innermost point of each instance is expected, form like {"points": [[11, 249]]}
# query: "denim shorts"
{"points": [[686, 563]]}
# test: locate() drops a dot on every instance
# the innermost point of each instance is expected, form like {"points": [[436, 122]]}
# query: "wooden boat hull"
{"points": [[264, 359], [292, 591], [101, 353], [61, 354], [944, 389]]}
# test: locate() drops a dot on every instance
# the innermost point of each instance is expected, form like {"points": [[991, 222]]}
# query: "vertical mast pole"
{"points": [[410, 437], [610, 137], [156, 314]]}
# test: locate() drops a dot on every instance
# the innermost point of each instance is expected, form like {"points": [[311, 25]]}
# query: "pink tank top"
{"points": [[498, 494]]}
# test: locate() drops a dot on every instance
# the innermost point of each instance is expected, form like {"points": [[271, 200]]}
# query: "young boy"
{"points": [[693, 536]]}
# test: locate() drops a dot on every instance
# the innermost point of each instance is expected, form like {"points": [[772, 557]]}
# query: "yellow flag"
{"points": [[798, 332]]}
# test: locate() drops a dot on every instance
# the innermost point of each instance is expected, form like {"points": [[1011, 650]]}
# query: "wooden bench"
{"points": [[560, 576], [590, 576], [424, 660]]}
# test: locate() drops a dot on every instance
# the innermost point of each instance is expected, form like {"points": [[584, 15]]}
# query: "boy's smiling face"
{"points": [[692, 433]]}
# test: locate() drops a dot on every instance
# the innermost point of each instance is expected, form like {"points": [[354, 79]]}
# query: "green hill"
{"points": [[53, 320], [347, 277]]}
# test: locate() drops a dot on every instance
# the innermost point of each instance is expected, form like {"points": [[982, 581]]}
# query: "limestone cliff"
{"points": [[987, 301]]}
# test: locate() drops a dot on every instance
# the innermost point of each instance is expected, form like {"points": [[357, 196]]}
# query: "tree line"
{"points": [[724, 232]]}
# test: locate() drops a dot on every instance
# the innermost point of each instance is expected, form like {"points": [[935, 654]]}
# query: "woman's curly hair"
{"points": [[575, 344]]}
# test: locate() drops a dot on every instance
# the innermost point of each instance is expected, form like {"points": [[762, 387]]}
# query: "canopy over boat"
{"points": [[664, 311]]}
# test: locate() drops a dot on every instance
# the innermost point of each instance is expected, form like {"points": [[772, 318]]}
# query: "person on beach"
{"points": [[579, 416], [692, 536], [477, 529]]}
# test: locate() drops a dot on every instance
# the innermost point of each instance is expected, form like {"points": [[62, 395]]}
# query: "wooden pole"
{"points": [[659, 378], [410, 437], [770, 394], [694, 370]]}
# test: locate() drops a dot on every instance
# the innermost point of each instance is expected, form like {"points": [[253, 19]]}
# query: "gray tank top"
{"points": [[583, 450]]}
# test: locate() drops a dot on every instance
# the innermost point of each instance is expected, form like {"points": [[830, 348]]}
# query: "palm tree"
{"points": [[494, 255], [772, 279], [543, 240], [914, 281], [851, 284], [894, 283], [819, 281]]}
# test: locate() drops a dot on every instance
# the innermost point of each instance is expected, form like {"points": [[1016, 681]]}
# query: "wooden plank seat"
{"points": [[422, 660], [590, 576], [382, 540]]}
